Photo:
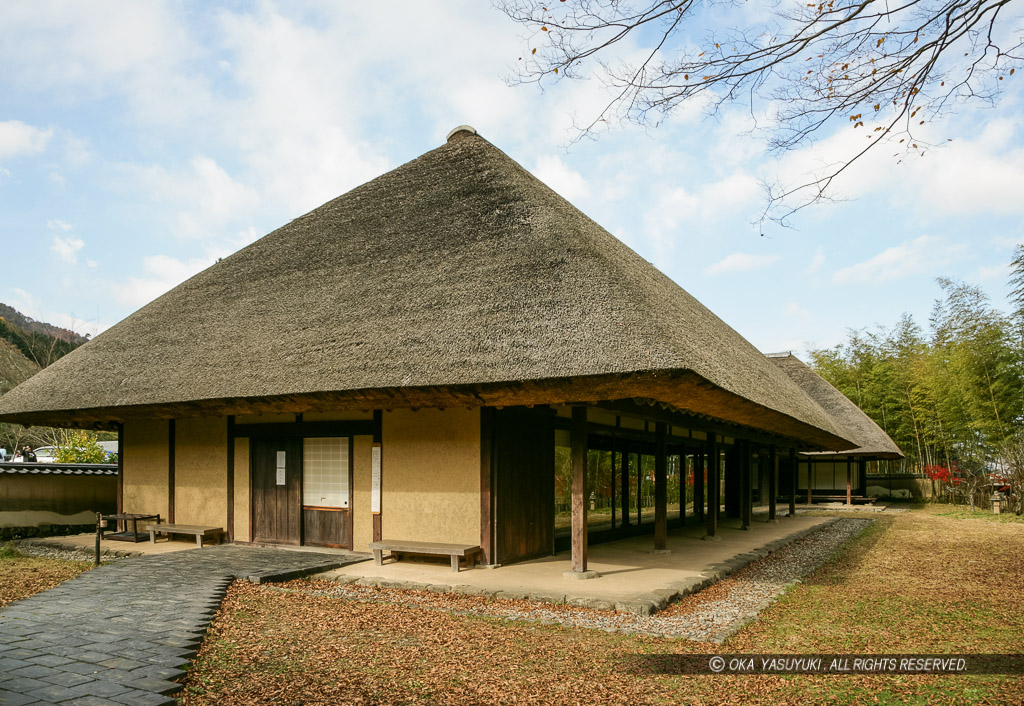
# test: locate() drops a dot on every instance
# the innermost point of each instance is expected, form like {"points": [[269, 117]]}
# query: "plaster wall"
{"points": [[431, 475], [200, 471], [145, 467]]}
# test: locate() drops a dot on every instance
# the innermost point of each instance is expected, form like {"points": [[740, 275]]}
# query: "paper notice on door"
{"points": [[282, 458], [375, 479]]}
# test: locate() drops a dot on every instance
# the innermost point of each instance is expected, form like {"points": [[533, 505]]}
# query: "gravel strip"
{"points": [[54, 550], [711, 615]]}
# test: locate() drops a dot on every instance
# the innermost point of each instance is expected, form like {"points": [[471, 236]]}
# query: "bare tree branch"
{"points": [[900, 64]]}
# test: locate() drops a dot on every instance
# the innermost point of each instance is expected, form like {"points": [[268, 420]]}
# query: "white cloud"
{"points": [[923, 255], [17, 138], [740, 262], [978, 176], [816, 262], [795, 311], [680, 212], [67, 247], [161, 274], [994, 273], [555, 173], [205, 197], [57, 224]]}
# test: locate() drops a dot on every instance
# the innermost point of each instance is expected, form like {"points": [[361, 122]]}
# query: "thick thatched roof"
{"points": [[855, 425], [456, 279]]}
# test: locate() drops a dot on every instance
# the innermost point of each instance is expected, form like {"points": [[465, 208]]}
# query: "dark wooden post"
{"points": [[639, 486], [578, 442], [120, 467], [849, 481], [171, 446], [746, 483], [624, 462], [810, 482], [487, 495], [378, 436], [231, 478], [698, 486], [613, 481], [683, 475], [794, 477], [714, 494], [660, 488], [773, 491], [99, 533]]}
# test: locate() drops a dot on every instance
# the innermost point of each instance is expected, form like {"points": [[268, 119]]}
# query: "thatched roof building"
{"points": [[458, 279], [849, 418]]}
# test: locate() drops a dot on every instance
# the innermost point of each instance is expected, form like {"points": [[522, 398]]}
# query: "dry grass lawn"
{"points": [[913, 583]]}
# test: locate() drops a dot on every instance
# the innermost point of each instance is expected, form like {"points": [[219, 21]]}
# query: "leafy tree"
{"points": [[1017, 291], [883, 67], [951, 399], [79, 447]]}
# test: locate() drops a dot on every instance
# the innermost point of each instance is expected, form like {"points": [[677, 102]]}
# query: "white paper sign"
{"points": [[375, 480], [282, 457]]}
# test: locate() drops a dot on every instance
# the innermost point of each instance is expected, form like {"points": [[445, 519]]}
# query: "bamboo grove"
{"points": [[952, 394]]}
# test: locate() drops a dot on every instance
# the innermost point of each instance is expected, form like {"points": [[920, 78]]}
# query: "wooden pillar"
{"points": [[698, 486], [378, 435], [746, 483], [639, 486], [810, 482], [731, 478], [849, 481], [624, 463], [683, 474], [170, 470], [794, 476], [613, 482], [578, 442], [714, 493], [773, 476], [660, 488], [120, 467], [487, 495], [231, 478]]}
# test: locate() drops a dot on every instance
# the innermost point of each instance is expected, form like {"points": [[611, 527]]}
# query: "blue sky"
{"points": [[139, 142]]}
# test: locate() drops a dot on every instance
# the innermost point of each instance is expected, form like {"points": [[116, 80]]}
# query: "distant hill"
{"points": [[13, 316], [15, 368], [39, 343]]}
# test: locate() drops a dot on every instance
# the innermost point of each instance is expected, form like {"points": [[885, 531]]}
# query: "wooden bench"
{"points": [[198, 531], [398, 547]]}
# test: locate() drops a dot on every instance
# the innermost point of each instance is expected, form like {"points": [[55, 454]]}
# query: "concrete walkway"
{"points": [[632, 578], [123, 632]]}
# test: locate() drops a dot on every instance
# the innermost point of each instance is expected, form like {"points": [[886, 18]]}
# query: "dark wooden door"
{"points": [[524, 455], [276, 495], [327, 527]]}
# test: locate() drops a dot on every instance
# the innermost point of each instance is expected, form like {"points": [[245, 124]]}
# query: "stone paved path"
{"points": [[124, 632]]}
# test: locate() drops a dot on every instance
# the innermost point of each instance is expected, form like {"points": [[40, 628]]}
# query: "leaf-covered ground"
{"points": [[21, 576], [918, 582]]}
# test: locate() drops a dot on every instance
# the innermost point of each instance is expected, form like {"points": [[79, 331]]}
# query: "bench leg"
{"points": [[152, 537], [378, 557], [455, 563]]}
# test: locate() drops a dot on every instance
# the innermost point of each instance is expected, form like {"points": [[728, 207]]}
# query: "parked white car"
{"points": [[46, 454]]}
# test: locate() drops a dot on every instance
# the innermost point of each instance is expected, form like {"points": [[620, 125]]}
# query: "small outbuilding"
{"points": [[450, 353]]}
